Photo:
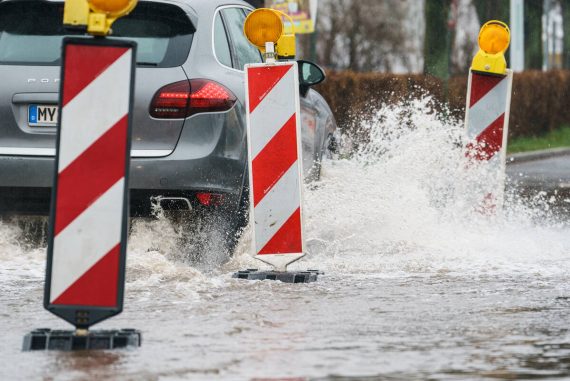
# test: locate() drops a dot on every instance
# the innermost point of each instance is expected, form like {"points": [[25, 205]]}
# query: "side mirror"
{"points": [[310, 74]]}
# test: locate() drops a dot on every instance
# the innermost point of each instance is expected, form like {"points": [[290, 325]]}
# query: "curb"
{"points": [[537, 155]]}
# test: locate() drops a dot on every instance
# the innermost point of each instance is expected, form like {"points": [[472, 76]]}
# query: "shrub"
{"points": [[540, 100]]}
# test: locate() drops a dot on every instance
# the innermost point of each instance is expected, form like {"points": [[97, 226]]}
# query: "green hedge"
{"points": [[540, 101]]}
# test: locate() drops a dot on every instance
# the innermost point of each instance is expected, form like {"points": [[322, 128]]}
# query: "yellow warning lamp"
{"points": [[96, 15], [266, 25], [494, 39]]}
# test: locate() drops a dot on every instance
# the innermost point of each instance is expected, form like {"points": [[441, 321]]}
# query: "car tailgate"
{"points": [[30, 55], [22, 88], [26, 89]]}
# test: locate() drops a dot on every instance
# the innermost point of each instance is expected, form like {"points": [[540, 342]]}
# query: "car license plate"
{"points": [[42, 115]]}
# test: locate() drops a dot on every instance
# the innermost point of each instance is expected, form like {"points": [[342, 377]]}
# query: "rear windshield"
{"points": [[31, 33]]}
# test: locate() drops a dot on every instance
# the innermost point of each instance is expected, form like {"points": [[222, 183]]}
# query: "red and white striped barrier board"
{"points": [[487, 124], [88, 222], [275, 165]]}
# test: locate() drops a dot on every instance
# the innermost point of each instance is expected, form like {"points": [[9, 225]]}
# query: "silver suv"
{"points": [[189, 133]]}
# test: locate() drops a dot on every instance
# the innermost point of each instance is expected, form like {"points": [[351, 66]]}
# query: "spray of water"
{"points": [[405, 199], [401, 198]]}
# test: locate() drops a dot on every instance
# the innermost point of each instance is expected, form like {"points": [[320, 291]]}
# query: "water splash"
{"points": [[400, 198], [415, 276], [404, 199]]}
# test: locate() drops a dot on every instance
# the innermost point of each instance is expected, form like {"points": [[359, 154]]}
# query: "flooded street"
{"points": [[418, 284]]}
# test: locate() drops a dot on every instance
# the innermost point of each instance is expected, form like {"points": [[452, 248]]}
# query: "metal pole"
{"points": [[517, 35]]}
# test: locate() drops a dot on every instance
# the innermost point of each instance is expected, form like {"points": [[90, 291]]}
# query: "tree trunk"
{"points": [[436, 47], [533, 10], [493, 10], [566, 23], [354, 36]]}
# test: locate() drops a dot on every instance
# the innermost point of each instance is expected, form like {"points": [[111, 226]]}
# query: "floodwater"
{"points": [[419, 284]]}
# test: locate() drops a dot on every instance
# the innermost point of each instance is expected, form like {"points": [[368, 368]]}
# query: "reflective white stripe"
{"points": [[272, 113], [87, 239], [150, 152], [487, 109], [51, 152], [89, 115], [276, 207]]}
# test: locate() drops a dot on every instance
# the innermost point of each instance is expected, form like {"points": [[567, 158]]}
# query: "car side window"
{"points": [[245, 52], [221, 44]]}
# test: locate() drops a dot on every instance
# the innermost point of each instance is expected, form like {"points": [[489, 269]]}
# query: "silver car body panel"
{"points": [[205, 152]]}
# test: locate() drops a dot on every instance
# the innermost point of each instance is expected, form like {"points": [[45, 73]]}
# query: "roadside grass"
{"points": [[554, 139]]}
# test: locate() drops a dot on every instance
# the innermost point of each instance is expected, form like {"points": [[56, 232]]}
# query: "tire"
{"points": [[33, 230], [207, 236], [330, 147], [201, 238]]}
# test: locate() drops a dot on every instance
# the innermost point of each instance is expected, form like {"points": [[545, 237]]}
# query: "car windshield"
{"points": [[31, 33]]}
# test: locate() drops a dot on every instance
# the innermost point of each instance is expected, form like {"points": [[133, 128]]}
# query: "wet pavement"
{"points": [[418, 284]]}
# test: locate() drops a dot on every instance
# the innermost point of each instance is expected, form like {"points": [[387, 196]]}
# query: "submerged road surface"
{"points": [[542, 175], [419, 284], [462, 303], [546, 170]]}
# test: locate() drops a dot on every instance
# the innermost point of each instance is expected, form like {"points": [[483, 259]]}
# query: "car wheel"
{"points": [[209, 235], [33, 230], [315, 174], [330, 147], [202, 238], [235, 222]]}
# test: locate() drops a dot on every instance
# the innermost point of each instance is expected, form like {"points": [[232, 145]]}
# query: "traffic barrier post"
{"points": [[274, 148], [88, 227], [275, 162], [488, 107]]}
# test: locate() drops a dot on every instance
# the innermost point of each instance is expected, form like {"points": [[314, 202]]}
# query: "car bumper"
{"points": [[205, 159], [26, 182]]}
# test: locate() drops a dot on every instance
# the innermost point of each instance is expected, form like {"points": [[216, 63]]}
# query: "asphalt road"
{"points": [[544, 170], [412, 290]]}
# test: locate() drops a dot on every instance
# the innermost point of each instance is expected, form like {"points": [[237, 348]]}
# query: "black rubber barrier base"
{"points": [[283, 276], [46, 339]]}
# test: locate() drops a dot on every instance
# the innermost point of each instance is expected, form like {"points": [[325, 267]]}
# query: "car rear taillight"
{"points": [[185, 98], [210, 199]]}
